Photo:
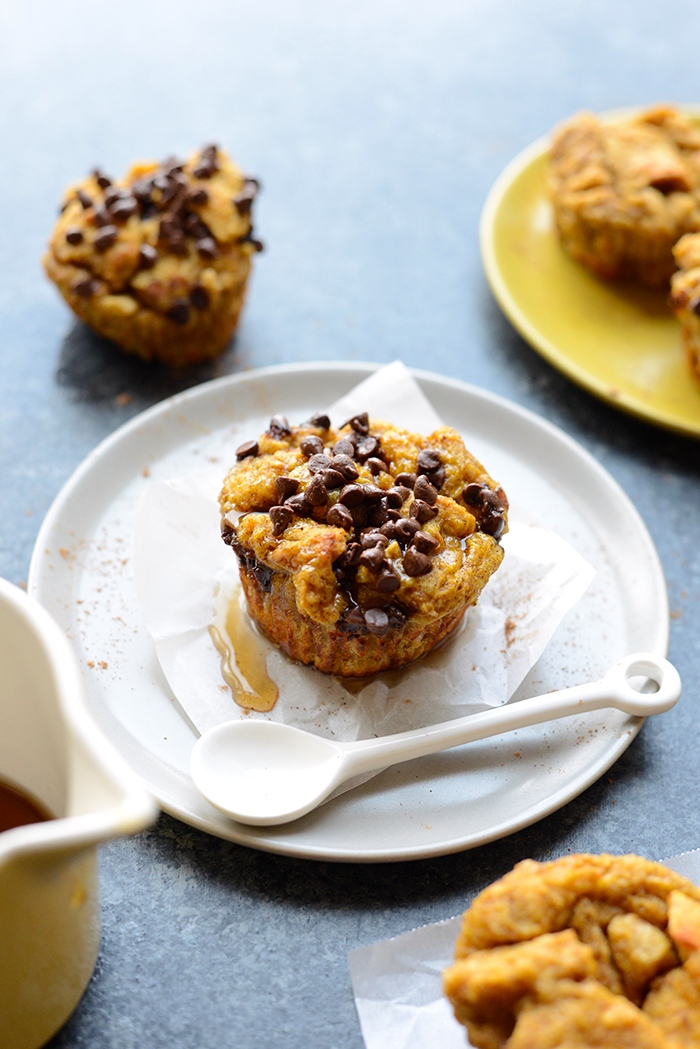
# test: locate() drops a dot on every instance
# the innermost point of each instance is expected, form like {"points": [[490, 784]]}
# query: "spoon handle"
{"points": [[613, 690]]}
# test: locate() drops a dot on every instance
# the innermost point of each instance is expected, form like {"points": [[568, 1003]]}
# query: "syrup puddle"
{"points": [[243, 655]]}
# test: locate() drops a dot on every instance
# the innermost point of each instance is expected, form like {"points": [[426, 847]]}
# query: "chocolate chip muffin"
{"points": [[360, 548], [158, 261], [685, 297], [582, 951], [623, 193]]}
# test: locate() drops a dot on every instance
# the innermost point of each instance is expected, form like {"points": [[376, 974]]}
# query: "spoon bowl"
{"points": [[265, 773]]}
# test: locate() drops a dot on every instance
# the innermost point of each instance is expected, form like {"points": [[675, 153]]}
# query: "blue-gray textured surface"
{"points": [[377, 128]]}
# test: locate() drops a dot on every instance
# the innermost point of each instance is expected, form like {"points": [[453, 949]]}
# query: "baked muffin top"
{"points": [[159, 238], [584, 950], [643, 169], [373, 523]]}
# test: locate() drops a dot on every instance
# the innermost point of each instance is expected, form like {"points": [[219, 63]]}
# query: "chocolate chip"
{"points": [[359, 423], [340, 517], [389, 529], [244, 200], [373, 557], [377, 515], [395, 497], [286, 486], [172, 166], [199, 297], [358, 515], [428, 459], [102, 217], [403, 491], [406, 480], [366, 447], [351, 556], [377, 621], [74, 235], [424, 490], [247, 449], [437, 477], [198, 196], [179, 312], [494, 525], [124, 209], [425, 543], [86, 287], [694, 305], [493, 501], [415, 563], [175, 243], [373, 538], [207, 248], [279, 426], [142, 191], [316, 492], [204, 170], [105, 238], [376, 465], [84, 199], [101, 179], [281, 517], [352, 621], [352, 495], [319, 462], [332, 479], [420, 511], [406, 528], [344, 447], [473, 493], [114, 195], [311, 445], [345, 466], [147, 256], [372, 493], [193, 225], [320, 420], [388, 581], [299, 505]]}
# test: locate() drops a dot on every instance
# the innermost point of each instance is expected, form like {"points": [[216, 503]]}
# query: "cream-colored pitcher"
{"points": [[51, 750]]}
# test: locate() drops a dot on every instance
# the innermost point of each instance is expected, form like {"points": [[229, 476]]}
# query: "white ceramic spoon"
{"points": [[264, 773]]}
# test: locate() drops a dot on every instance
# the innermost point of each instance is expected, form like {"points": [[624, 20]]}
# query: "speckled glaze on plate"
{"points": [[444, 803], [620, 342]]}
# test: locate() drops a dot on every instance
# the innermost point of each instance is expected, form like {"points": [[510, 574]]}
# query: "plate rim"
{"points": [[362, 369], [526, 158]]}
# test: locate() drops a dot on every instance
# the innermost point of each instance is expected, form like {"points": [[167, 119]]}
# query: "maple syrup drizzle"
{"points": [[243, 656]]}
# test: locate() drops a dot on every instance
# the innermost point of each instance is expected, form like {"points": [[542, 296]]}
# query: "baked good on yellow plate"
{"points": [[361, 547], [685, 296], [578, 952], [625, 191], [158, 261]]}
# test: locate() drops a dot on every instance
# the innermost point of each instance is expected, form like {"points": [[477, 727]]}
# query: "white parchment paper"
{"points": [[397, 983], [178, 525]]}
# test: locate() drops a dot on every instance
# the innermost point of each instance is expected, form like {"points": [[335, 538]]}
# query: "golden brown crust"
{"points": [[361, 547], [582, 951], [623, 193], [158, 261]]}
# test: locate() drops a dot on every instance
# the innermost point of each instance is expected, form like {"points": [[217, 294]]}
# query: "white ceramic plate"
{"points": [[81, 571]]}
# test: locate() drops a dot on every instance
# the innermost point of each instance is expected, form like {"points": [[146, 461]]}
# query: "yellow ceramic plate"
{"points": [[618, 341]]}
